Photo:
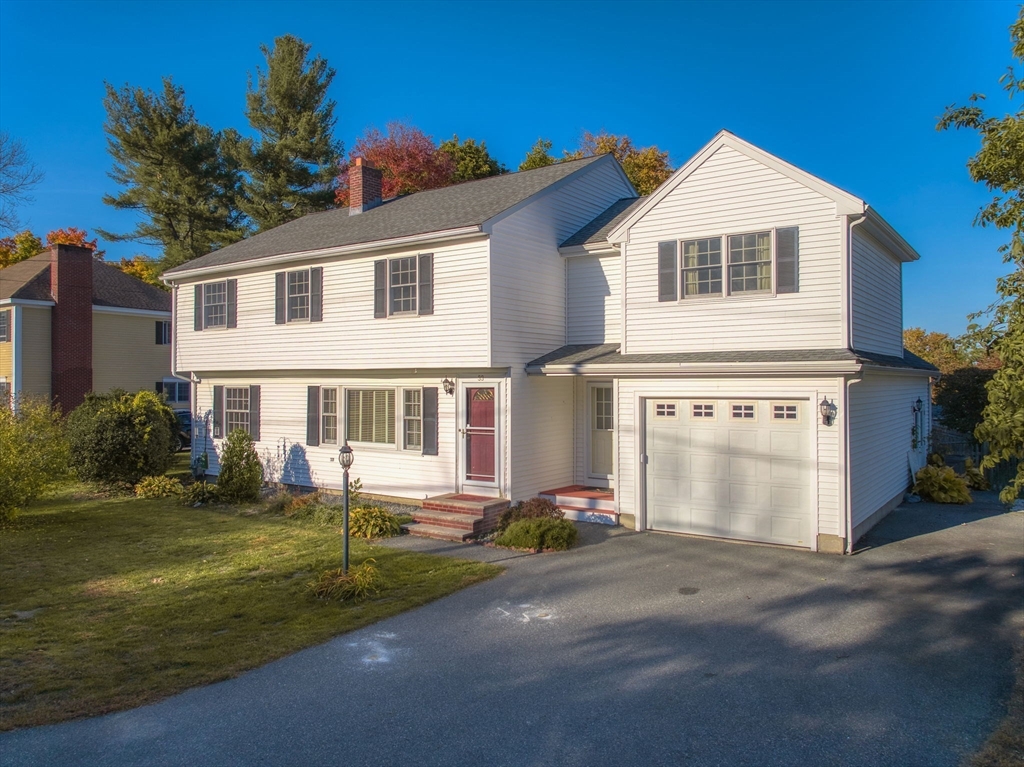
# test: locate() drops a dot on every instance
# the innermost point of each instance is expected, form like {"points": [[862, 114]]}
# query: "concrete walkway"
{"points": [[634, 649]]}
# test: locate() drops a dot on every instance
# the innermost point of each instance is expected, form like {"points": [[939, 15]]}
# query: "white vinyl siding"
{"points": [[593, 299], [731, 193], [456, 334], [881, 434], [541, 433], [877, 301]]}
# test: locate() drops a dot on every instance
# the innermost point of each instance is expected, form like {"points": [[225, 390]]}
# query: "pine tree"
{"points": [[471, 160], [539, 156], [291, 165], [173, 173]]}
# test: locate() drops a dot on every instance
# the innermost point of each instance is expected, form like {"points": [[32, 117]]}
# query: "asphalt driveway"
{"points": [[633, 649]]}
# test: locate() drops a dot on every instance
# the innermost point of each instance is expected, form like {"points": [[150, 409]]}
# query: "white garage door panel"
{"points": [[730, 478]]}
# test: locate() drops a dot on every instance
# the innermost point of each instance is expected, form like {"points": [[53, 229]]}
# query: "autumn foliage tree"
{"points": [[143, 268], [26, 244], [646, 167]]}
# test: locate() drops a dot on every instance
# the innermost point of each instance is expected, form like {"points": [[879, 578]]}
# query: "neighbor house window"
{"points": [[743, 412], [163, 332], [412, 419], [298, 295], [403, 284], [750, 262], [5, 393], [5, 325], [215, 304], [236, 409], [329, 415], [702, 267], [175, 391], [370, 416]]}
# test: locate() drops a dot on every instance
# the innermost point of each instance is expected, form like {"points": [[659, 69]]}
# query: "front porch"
{"points": [[584, 503]]}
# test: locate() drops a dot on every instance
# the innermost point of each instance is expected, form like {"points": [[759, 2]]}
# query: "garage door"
{"points": [[729, 468]]}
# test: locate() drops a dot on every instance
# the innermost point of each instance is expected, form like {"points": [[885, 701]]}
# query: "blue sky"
{"points": [[847, 91]]}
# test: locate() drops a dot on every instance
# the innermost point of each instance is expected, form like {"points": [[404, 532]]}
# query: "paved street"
{"points": [[634, 648]]}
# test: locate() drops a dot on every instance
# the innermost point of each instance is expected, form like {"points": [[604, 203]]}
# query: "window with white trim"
{"points": [[298, 295], [402, 284], [743, 411], [370, 416], [163, 332], [215, 305], [329, 415], [750, 263], [174, 390], [704, 410], [664, 409], [412, 419], [5, 326], [236, 409], [702, 267], [784, 412]]}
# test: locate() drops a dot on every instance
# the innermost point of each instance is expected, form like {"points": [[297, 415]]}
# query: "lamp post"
{"points": [[345, 458]]}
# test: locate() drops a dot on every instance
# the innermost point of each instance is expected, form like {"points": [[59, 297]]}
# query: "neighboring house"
{"points": [[70, 324], [668, 358]]}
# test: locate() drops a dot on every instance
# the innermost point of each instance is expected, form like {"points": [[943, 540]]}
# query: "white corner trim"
{"points": [[25, 302], [16, 372], [135, 312]]}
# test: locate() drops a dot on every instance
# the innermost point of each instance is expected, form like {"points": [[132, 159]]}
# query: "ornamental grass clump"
{"points": [[539, 534], [241, 473], [535, 508], [362, 581], [373, 522], [158, 487], [941, 484]]}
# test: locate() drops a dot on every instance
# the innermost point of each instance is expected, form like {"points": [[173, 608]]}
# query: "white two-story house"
{"points": [[721, 358]]}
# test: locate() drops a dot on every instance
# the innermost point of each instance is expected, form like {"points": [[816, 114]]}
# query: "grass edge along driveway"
{"points": [[108, 604]]}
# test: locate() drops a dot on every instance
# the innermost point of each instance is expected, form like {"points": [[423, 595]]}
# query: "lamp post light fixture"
{"points": [[345, 458], [828, 411]]}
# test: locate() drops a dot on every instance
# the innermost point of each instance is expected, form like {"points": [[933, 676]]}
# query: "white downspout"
{"points": [[844, 435], [847, 267]]}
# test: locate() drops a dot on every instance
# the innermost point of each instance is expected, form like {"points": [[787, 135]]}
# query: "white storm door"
{"points": [[601, 418]]}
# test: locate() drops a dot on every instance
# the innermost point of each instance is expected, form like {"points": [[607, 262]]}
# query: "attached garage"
{"points": [[730, 468]]}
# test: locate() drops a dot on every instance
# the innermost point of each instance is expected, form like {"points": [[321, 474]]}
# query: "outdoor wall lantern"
{"points": [[345, 458], [828, 411], [918, 406], [449, 386]]}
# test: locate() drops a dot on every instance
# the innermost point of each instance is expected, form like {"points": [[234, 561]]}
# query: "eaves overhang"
{"points": [[842, 367]]}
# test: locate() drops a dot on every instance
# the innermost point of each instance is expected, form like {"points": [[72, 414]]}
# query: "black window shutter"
{"points": [[280, 289], [218, 412], [430, 420], [313, 415], [254, 412], [380, 288], [426, 297], [159, 387], [232, 303], [787, 266], [316, 294], [198, 311], [668, 271], [159, 332]]}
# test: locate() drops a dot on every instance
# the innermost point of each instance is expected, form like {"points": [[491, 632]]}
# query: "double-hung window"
{"points": [[215, 305], [5, 325], [402, 284], [702, 267], [298, 295], [750, 263], [236, 408], [163, 332], [329, 415], [412, 419], [370, 416]]}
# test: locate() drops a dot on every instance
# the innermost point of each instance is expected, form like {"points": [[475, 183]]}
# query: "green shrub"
{"points": [[535, 508], [974, 477], [33, 454], [158, 487], [942, 485], [373, 522], [538, 534], [119, 438], [319, 513], [241, 473], [362, 581], [199, 492]]}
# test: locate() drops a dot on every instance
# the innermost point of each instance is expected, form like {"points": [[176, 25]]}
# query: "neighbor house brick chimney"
{"points": [[364, 186], [71, 325]]}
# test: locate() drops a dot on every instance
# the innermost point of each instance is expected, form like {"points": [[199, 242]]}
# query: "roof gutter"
{"points": [[838, 367], [461, 233]]}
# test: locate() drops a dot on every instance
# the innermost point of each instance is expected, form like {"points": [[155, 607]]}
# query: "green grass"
{"points": [[106, 604]]}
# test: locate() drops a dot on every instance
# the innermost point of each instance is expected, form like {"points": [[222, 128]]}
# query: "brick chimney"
{"points": [[70, 325], [364, 186]]}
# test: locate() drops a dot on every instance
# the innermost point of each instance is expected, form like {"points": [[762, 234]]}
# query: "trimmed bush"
{"points": [[158, 487], [33, 454], [362, 581], [119, 438], [974, 477], [535, 508], [941, 484], [241, 473], [373, 522], [539, 534], [198, 493]]}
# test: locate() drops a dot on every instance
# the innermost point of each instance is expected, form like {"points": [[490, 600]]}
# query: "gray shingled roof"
{"points": [[467, 204], [30, 280], [608, 354], [596, 232]]}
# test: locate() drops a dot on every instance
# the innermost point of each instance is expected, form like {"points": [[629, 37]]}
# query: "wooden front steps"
{"points": [[585, 504], [456, 516]]}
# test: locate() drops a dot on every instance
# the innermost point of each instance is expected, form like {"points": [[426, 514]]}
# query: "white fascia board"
{"points": [[127, 310], [846, 203], [347, 250], [877, 369], [882, 231], [25, 302], [596, 249], [840, 367]]}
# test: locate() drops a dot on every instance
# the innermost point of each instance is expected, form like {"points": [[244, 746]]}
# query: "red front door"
{"points": [[480, 436]]}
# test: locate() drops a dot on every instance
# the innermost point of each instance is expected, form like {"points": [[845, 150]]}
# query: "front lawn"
{"points": [[106, 604]]}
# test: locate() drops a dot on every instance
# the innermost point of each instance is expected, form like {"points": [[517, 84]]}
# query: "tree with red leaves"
{"points": [[74, 236]]}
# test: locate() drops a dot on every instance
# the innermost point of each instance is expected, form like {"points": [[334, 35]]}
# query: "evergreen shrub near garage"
{"points": [[539, 534]]}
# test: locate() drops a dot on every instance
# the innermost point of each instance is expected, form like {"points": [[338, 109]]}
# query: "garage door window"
{"points": [[703, 410], [665, 410], [743, 412], [785, 412]]}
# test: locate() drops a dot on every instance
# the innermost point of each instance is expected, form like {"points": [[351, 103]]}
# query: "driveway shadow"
{"points": [[910, 520]]}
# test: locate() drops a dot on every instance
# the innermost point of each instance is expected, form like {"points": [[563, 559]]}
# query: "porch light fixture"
{"points": [[449, 386], [918, 406], [828, 412], [345, 458]]}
